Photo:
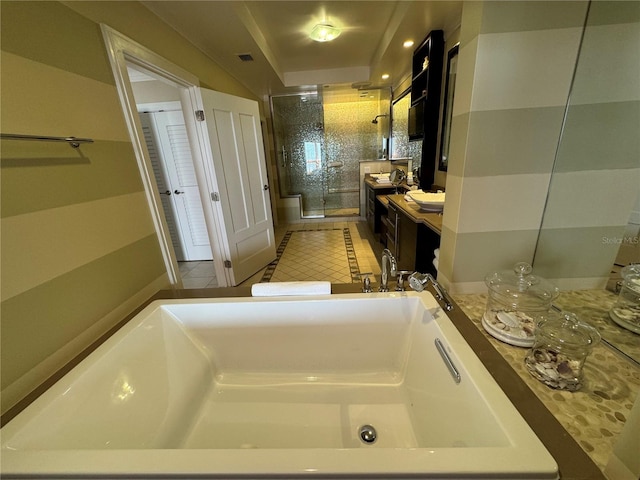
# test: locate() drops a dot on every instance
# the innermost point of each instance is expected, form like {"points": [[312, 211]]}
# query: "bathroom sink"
{"points": [[427, 201]]}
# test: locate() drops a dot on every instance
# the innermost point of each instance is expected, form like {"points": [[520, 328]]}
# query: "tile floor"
{"points": [[367, 250]]}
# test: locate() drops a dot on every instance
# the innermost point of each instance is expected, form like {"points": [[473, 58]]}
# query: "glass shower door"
{"points": [[320, 140], [299, 136]]}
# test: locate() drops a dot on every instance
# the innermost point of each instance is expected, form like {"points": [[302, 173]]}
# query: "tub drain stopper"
{"points": [[368, 434]]}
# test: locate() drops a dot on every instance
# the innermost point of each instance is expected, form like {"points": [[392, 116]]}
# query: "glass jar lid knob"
{"points": [[523, 278]]}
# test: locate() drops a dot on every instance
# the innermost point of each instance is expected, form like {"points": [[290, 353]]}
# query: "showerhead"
{"points": [[375, 120]]}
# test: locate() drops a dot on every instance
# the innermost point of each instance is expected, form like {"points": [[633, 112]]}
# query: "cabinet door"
{"points": [[407, 233], [370, 207]]}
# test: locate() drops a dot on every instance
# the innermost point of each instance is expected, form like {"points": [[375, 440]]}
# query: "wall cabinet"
{"points": [[426, 84]]}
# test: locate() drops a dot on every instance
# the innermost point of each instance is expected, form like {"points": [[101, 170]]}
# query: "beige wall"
{"points": [[79, 250]]}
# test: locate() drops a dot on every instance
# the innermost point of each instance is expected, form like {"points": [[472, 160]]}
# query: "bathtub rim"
{"points": [[573, 462]]}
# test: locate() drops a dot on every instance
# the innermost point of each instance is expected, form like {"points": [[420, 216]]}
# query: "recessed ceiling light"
{"points": [[408, 43], [324, 32], [385, 76]]}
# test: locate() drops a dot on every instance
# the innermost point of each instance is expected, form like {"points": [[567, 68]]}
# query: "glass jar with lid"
{"points": [[517, 301], [626, 311], [562, 344]]}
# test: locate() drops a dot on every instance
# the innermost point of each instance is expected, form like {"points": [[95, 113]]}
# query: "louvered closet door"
{"points": [[176, 156], [162, 182]]}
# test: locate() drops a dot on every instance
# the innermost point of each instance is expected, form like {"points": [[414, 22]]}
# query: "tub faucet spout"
{"points": [[389, 267]]}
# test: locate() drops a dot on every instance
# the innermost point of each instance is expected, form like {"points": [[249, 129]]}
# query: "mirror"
{"points": [[397, 176], [447, 111], [592, 200]]}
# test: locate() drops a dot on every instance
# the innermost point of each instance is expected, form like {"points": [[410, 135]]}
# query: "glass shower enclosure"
{"points": [[320, 139]]}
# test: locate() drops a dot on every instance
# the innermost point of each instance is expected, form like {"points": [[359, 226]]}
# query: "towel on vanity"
{"points": [[273, 289]]}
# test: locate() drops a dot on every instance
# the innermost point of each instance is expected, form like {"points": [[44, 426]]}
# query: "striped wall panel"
{"points": [[514, 74], [596, 180], [40, 321], [77, 238]]}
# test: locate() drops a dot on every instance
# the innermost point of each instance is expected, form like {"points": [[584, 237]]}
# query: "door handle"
{"points": [[266, 187], [177, 192], [168, 192]]}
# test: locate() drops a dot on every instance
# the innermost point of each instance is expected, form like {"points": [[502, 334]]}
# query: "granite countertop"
{"points": [[595, 414]]}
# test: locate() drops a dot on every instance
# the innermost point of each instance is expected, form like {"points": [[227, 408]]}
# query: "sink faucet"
{"points": [[387, 258]]}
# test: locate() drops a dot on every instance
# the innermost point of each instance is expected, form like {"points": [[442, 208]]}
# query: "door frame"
{"points": [[122, 50]]}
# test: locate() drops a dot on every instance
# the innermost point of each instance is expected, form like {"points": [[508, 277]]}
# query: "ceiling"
{"points": [[286, 60]]}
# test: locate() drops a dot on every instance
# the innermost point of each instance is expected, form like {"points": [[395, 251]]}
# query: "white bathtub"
{"points": [[278, 387]]}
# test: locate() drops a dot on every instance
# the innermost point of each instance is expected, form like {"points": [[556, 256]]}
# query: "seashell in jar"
{"points": [[508, 319], [564, 368], [542, 356]]}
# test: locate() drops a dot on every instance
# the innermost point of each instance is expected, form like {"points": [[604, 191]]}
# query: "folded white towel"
{"points": [[273, 289], [436, 253]]}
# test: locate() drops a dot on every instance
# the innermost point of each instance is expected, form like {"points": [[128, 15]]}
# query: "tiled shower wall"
{"points": [[516, 62], [349, 138]]}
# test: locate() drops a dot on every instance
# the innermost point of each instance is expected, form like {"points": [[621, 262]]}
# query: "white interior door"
{"points": [[233, 125], [180, 186]]}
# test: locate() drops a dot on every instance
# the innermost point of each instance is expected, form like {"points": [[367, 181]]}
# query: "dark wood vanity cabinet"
{"points": [[374, 209], [411, 243]]}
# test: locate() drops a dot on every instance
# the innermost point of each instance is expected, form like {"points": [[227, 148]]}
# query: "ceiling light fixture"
{"points": [[385, 76], [408, 43], [324, 32]]}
